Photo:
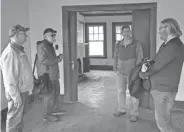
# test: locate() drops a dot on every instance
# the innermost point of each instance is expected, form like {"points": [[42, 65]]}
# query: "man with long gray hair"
{"points": [[165, 73]]}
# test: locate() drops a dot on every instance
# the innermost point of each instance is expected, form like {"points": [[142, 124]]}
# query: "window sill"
{"points": [[97, 57]]}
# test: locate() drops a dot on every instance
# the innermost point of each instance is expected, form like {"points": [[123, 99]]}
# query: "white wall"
{"points": [[13, 12], [47, 13], [108, 20]]}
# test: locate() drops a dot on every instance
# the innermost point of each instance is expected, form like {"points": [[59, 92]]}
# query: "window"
{"points": [[96, 38], [80, 32], [116, 33]]}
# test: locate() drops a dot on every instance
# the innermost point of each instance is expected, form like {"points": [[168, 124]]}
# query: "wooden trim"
{"points": [[110, 7], [101, 67], [114, 24], [98, 57], [113, 38], [66, 52], [153, 32], [106, 14], [105, 39], [73, 55], [86, 41]]}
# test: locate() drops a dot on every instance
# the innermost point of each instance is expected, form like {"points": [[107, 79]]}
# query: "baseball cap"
{"points": [[48, 30], [16, 29]]}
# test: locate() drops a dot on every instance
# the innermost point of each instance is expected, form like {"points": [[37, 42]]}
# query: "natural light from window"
{"points": [[96, 49], [96, 40]]}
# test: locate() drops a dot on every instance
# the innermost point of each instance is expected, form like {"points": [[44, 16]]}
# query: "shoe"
{"points": [[59, 112], [133, 118], [51, 118], [119, 113]]}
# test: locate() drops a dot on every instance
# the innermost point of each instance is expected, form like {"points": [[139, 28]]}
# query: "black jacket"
{"points": [[136, 84]]}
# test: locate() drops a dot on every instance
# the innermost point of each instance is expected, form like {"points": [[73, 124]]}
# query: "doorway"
{"points": [[144, 19]]}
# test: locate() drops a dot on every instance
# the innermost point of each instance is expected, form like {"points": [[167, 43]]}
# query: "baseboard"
{"points": [[101, 67]]}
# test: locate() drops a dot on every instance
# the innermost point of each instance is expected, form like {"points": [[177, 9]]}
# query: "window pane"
{"points": [[100, 29], [95, 36], [95, 29], [118, 29], [90, 29], [101, 37], [90, 37], [96, 49], [118, 37]]}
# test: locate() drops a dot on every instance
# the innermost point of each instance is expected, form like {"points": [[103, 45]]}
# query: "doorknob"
{"points": [[73, 65]]}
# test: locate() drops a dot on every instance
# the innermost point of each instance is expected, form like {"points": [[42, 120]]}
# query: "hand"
{"points": [[17, 101], [144, 68], [115, 69], [61, 56], [142, 75]]}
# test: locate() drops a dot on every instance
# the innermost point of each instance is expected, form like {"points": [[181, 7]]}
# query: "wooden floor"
{"points": [[94, 111]]}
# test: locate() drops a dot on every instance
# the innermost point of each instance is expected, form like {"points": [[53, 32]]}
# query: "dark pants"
{"points": [[14, 121], [51, 102]]}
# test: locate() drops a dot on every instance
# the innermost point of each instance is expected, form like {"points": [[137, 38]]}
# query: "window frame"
{"points": [[87, 25], [114, 24]]}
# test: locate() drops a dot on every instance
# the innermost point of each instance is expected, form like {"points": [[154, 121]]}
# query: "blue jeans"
{"points": [[163, 105], [122, 84], [14, 121]]}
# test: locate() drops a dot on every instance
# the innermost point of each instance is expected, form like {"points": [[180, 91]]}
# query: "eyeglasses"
{"points": [[23, 33], [52, 35], [162, 27], [125, 31]]}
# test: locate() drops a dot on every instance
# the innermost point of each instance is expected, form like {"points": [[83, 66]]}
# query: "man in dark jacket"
{"points": [[165, 73], [48, 63]]}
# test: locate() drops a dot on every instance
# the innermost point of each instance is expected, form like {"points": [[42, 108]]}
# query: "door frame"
{"points": [[69, 20]]}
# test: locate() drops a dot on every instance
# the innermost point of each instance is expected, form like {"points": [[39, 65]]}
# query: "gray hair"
{"points": [[174, 26]]}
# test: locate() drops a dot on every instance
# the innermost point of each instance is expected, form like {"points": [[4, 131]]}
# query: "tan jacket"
{"points": [[16, 71], [47, 60]]}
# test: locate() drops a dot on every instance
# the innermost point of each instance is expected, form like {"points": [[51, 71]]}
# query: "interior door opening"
{"points": [[101, 30]]}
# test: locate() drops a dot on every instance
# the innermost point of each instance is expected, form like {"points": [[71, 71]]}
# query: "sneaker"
{"points": [[119, 113], [133, 118], [59, 112], [51, 118]]}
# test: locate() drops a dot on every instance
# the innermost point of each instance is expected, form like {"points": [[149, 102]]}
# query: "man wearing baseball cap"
{"points": [[48, 63], [17, 78]]}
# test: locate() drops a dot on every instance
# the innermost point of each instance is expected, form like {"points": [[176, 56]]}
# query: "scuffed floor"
{"points": [[94, 111]]}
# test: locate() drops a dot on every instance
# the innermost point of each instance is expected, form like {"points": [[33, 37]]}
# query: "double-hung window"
{"points": [[96, 39]]}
